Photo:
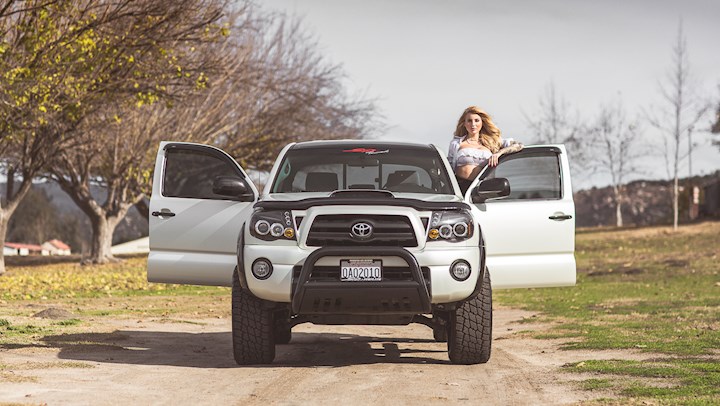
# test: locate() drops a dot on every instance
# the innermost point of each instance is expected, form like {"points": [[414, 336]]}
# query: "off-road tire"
{"points": [[253, 332], [470, 328]]}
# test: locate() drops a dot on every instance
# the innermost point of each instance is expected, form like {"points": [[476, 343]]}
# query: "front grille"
{"points": [[334, 230]]}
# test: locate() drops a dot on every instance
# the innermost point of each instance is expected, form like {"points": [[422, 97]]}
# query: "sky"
{"points": [[425, 61]]}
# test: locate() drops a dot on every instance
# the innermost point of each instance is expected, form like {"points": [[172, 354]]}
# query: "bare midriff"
{"points": [[466, 171]]}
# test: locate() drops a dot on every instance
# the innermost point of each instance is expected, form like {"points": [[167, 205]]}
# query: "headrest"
{"points": [[398, 177], [321, 182]]}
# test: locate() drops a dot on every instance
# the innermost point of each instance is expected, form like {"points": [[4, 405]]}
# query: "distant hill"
{"points": [[649, 203]]}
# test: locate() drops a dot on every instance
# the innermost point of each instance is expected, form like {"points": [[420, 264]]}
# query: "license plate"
{"points": [[360, 270]]}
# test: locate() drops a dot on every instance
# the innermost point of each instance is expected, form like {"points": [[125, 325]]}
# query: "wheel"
{"points": [[470, 328], [253, 334]]}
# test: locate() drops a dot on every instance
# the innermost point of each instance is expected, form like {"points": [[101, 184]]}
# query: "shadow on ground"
{"points": [[214, 349]]}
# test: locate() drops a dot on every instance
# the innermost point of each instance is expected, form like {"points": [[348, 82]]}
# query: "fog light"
{"points": [[433, 234], [289, 233], [262, 268], [460, 270]]}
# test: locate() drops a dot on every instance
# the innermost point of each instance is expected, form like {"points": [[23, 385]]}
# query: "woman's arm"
{"points": [[452, 152], [513, 146]]}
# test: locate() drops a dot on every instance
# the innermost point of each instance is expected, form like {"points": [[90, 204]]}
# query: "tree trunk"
{"points": [[676, 192], [618, 207], [4, 220], [100, 248], [6, 211]]}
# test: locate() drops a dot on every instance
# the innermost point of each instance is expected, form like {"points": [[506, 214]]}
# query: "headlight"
{"points": [[272, 225], [451, 226]]}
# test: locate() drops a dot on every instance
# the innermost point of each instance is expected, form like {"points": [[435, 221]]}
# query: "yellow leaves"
{"points": [[42, 108], [18, 72], [145, 98], [201, 82], [70, 280], [21, 100]]}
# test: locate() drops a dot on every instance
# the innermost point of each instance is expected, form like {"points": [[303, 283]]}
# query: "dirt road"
{"points": [[146, 361]]}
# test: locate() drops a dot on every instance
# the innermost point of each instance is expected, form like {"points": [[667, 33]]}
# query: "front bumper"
{"points": [[431, 282]]}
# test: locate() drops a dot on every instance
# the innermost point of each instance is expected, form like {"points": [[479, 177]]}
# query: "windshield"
{"points": [[396, 169]]}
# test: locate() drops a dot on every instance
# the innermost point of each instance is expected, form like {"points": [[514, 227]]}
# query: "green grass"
{"points": [[648, 290], [671, 380], [68, 322], [22, 333], [596, 384]]}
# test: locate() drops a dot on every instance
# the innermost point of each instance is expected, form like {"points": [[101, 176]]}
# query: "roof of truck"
{"points": [[352, 144]]}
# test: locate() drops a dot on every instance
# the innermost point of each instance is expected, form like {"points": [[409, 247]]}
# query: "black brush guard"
{"points": [[381, 297]]}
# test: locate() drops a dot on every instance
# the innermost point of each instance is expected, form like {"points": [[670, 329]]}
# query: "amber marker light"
{"points": [[434, 234], [289, 233]]}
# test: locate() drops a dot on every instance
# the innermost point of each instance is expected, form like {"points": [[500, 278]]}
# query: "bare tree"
{"points": [[615, 148], [680, 113], [265, 87], [715, 124], [555, 123]]}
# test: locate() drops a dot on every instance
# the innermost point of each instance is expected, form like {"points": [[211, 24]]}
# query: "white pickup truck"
{"points": [[361, 232]]}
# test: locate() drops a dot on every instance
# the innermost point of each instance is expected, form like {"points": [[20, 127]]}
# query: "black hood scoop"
{"points": [[371, 194]]}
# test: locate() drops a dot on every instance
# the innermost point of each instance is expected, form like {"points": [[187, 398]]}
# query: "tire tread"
{"points": [[470, 328], [252, 328]]}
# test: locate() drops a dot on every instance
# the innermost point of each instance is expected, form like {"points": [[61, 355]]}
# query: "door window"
{"points": [[532, 176], [190, 173]]}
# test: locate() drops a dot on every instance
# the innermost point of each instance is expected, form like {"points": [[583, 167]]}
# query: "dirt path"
{"points": [[153, 362]]}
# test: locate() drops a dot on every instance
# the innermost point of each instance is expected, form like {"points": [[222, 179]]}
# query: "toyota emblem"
{"points": [[361, 230]]}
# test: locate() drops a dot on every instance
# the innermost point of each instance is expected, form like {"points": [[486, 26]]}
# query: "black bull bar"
{"points": [[370, 297]]}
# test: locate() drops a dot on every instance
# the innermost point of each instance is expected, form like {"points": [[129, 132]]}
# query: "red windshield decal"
{"points": [[364, 150]]}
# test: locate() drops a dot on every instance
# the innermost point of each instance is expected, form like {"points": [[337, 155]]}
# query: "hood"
{"points": [[290, 197], [305, 200]]}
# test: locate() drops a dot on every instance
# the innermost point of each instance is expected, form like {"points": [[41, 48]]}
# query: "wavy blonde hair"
{"points": [[489, 133]]}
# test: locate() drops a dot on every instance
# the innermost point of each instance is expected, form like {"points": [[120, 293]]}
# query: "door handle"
{"points": [[163, 214], [560, 217]]}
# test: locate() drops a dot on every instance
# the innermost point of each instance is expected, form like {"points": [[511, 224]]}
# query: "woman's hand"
{"points": [[493, 161]]}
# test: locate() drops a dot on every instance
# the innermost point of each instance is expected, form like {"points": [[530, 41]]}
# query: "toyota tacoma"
{"points": [[361, 232]]}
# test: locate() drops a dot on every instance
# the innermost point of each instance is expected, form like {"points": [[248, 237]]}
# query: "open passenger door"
{"points": [[530, 234]]}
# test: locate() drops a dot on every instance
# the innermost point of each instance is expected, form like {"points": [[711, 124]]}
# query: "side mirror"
{"points": [[491, 188], [229, 186]]}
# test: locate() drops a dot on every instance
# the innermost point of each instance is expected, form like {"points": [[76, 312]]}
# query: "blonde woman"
{"points": [[477, 143]]}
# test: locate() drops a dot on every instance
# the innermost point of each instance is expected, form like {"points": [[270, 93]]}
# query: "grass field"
{"points": [[646, 290], [649, 290]]}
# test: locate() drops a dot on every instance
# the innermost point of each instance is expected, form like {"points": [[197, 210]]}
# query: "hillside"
{"points": [[648, 203]]}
